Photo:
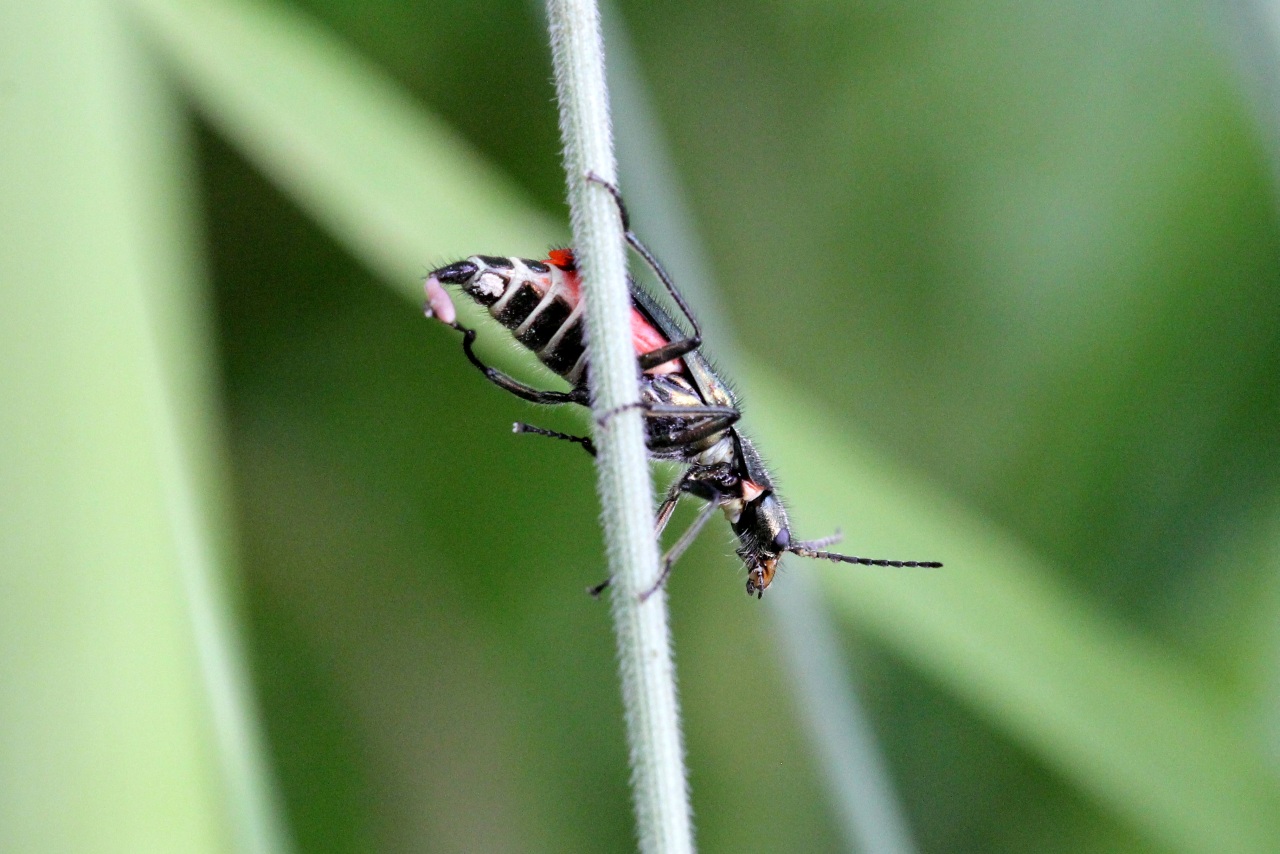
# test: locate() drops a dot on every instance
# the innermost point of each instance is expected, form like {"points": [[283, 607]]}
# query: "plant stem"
{"points": [[660, 789]]}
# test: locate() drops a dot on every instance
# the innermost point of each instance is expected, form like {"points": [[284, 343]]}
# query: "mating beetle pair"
{"points": [[689, 412]]}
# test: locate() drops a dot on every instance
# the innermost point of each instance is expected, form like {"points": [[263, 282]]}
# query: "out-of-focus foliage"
{"points": [[1006, 281]]}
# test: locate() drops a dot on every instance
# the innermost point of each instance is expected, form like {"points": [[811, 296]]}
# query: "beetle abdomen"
{"points": [[537, 301]]}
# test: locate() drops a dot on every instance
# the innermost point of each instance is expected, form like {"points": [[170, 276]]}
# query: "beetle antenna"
{"points": [[864, 561], [816, 545]]}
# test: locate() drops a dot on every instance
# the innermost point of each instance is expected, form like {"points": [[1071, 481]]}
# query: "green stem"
{"points": [[660, 789]]}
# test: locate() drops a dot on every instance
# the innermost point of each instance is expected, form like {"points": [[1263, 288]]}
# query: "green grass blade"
{"points": [[1142, 732], [390, 182], [107, 739], [189, 450]]}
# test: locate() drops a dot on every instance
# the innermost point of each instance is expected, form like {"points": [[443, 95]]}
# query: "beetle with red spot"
{"points": [[690, 414]]}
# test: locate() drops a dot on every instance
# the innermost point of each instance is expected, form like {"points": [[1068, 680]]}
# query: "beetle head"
{"points": [[764, 533]]}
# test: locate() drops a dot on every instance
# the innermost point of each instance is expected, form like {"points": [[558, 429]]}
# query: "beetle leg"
{"points": [[519, 389], [681, 545], [706, 421], [668, 352], [675, 349], [662, 517], [668, 506], [586, 443]]}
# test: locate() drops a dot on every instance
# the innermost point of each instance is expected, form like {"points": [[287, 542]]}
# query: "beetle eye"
{"points": [[782, 539]]}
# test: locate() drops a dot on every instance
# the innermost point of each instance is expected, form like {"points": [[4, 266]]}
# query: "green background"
{"points": [[997, 282]]}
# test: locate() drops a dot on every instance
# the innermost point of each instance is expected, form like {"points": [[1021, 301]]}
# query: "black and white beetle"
{"points": [[690, 414]]}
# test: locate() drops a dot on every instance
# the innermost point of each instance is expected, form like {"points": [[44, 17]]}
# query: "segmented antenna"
{"points": [[864, 561], [814, 548]]}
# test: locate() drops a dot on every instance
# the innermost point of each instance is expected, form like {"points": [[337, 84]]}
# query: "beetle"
{"points": [[690, 413]]}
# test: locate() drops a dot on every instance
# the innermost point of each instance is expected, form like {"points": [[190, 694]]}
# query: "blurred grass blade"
{"points": [[841, 738], [189, 452], [393, 184], [1142, 733], [844, 743], [106, 740], [1252, 30]]}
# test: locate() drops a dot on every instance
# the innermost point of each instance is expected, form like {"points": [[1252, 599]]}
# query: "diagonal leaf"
{"points": [[1131, 725], [389, 181]]}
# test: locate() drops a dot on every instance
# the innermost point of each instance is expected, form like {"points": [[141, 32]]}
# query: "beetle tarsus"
{"points": [[586, 443]]}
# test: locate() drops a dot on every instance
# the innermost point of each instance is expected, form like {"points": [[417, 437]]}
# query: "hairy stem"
{"points": [[660, 790]]}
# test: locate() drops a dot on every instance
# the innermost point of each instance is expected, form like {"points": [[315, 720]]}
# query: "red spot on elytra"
{"points": [[562, 258]]}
